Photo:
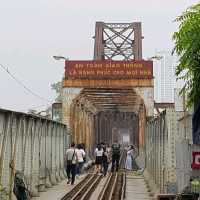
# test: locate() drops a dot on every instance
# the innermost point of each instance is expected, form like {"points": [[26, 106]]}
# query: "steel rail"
{"points": [[102, 193], [84, 189], [113, 186], [108, 190], [79, 186], [91, 189], [123, 189]]}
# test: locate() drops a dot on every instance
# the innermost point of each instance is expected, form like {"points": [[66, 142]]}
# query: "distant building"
{"points": [[56, 111], [164, 77]]}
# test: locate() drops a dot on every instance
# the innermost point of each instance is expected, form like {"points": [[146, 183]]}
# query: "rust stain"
{"points": [[107, 83]]}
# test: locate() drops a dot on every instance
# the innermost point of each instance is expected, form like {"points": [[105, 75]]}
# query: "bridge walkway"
{"points": [[136, 188], [57, 191]]}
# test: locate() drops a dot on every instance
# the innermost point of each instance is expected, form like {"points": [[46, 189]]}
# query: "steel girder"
{"points": [[118, 41]]}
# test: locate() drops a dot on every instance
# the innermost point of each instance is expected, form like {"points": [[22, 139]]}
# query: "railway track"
{"points": [[113, 188], [84, 189]]}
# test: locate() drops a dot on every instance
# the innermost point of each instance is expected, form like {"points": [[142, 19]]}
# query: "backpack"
{"points": [[105, 157], [19, 189], [115, 149]]}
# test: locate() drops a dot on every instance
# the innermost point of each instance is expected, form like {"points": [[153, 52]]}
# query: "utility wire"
{"points": [[39, 106], [23, 85]]}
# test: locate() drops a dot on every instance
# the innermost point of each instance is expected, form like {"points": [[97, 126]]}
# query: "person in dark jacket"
{"points": [[105, 161], [20, 189], [115, 156]]}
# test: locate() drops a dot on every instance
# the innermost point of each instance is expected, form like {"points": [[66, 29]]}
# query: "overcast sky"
{"points": [[32, 31]]}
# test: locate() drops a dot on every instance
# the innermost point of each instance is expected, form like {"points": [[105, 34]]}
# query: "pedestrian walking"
{"points": [[109, 151], [105, 161], [103, 145], [130, 158], [115, 156], [80, 157], [98, 158], [83, 147], [71, 162]]}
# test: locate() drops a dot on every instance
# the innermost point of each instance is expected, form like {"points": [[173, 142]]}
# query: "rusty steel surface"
{"points": [[118, 40], [83, 83], [110, 98], [86, 69], [115, 90], [115, 109], [164, 105]]}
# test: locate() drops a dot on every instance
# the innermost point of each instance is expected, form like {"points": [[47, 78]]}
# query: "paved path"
{"points": [[136, 188], [57, 191]]}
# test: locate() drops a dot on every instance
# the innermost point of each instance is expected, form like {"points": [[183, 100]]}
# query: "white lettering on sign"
{"points": [[197, 159]]}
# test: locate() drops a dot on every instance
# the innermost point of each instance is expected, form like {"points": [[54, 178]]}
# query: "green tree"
{"points": [[187, 47], [57, 87], [57, 111]]}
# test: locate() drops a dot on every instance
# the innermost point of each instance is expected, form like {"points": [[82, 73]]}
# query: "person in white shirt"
{"points": [[98, 158], [71, 162], [80, 155], [130, 158]]}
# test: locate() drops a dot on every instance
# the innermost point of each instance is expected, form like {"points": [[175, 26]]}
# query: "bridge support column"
{"points": [[142, 124], [68, 94], [82, 122]]}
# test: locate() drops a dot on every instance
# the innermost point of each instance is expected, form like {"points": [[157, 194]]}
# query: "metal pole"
{"points": [[184, 114], [4, 133], [13, 158]]}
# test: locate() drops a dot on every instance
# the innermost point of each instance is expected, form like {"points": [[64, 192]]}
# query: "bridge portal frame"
{"points": [[114, 39]]}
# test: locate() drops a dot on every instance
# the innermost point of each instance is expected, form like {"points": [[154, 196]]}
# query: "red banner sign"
{"points": [[109, 69], [196, 160]]}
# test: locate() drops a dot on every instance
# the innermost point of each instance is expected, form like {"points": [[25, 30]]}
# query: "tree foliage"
{"points": [[57, 87], [187, 47]]}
